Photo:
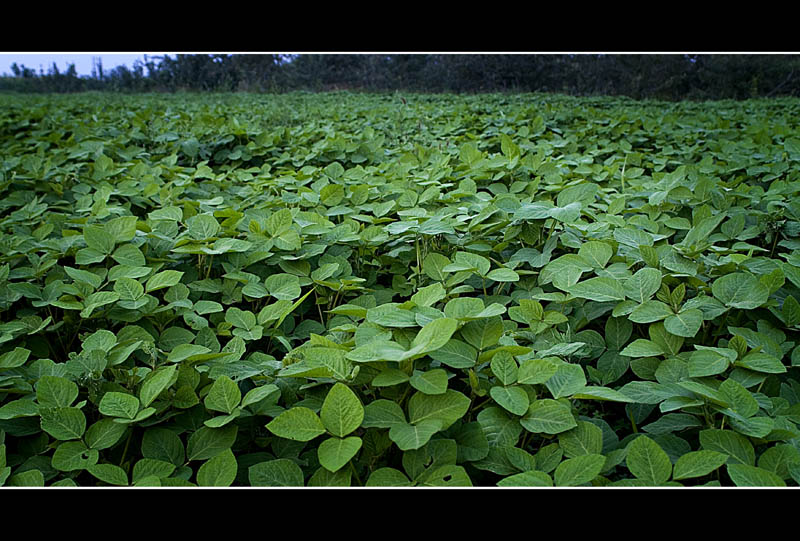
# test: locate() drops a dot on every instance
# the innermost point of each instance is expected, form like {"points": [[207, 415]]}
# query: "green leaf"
{"points": [[483, 333], [466, 261], [584, 439], [744, 475], [791, 311], [204, 307], [378, 350], [433, 336], [536, 371], [109, 473], [642, 348], [155, 383], [382, 413], [759, 361], [130, 255], [257, 394], [409, 437], [388, 477], [116, 404], [104, 434], [471, 441], [14, 358], [390, 315], [503, 275], [334, 452], [568, 214], [163, 444], [219, 471], [162, 280], [433, 263], [756, 427], [85, 277], [89, 256], [342, 411], [591, 392], [464, 308], [548, 416], [455, 354], [128, 289], [283, 286], [429, 295], [579, 470], [617, 331], [568, 379], [122, 228], [740, 399], [500, 429], [596, 253], [324, 478], [183, 352], [670, 343], [449, 475], [648, 461], [513, 399], [698, 464], [599, 288], [55, 392], [279, 222], [446, 408], [709, 361], [96, 300], [202, 227], [298, 423], [205, 442], [242, 319], [643, 284], [430, 381], [281, 472], [98, 239], [527, 479], [702, 229], [223, 396], [672, 422], [685, 323], [740, 290], [29, 478], [222, 420], [737, 447], [147, 467], [63, 423], [779, 459], [389, 377], [73, 456], [505, 368], [564, 271]]}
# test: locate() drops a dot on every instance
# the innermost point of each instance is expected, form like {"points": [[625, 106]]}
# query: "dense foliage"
{"points": [[662, 76], [351, 289]]}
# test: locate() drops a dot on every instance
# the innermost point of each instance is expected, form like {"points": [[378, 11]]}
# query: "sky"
{"points": [[83, 61]]}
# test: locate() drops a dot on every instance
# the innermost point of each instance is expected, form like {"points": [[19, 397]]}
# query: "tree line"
{"points": [[639, 76]]}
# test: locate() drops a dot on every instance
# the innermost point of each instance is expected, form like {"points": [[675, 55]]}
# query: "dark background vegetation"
{"points": [[639, 76]]}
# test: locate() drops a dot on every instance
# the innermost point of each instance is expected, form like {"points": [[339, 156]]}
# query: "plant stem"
{"points": [[355, 473], [416, 243], [210, 264], [622, 175], [525, 439], [125, 451]]}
